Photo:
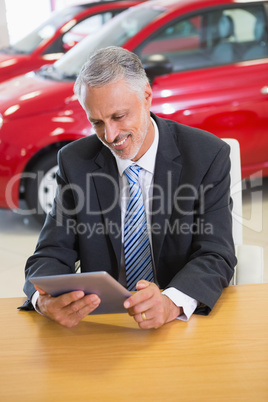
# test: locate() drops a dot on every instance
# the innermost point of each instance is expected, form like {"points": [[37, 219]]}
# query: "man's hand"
{"points": [[149, 307], [68, 309]]}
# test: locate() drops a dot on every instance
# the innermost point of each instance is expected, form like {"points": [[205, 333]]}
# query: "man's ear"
{"points": [[148, 95]]}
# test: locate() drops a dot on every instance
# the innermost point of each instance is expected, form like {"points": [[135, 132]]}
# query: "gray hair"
{"points": [[109, 65]]}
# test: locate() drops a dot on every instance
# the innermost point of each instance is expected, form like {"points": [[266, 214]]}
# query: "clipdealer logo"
{"points": [[251, 190], [113, 229]]}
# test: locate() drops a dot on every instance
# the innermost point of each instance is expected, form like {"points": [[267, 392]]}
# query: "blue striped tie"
{"points": [[138, 259]]}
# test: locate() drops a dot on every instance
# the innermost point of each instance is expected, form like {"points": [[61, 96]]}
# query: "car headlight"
{"points": [[1, 120]]}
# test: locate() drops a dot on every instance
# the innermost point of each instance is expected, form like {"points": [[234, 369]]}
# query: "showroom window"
{"points": [[218, 37]]}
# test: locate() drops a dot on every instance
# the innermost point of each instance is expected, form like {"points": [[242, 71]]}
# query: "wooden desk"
{"points": [[221, 357]]}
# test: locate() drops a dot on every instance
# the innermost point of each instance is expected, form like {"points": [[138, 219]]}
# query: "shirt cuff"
{"points": [[34, 301], [179, 298]]}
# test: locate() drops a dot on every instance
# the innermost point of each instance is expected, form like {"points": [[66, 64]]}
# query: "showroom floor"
{"points": [[18, 237]]}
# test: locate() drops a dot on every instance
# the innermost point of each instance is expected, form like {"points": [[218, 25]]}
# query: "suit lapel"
{"points": [[166, 181], [106, 182]]}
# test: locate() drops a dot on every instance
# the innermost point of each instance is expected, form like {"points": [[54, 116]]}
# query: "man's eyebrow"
{"points": [[92, 119], [113, 115], [119, 112]]}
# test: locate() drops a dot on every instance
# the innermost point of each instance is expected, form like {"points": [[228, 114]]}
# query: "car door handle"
{"points": [[264, 90]]}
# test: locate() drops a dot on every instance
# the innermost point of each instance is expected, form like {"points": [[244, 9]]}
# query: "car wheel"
{"points": [[40, 186]]}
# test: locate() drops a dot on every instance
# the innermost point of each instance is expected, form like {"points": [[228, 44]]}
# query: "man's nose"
{"points": [[110, 132]]}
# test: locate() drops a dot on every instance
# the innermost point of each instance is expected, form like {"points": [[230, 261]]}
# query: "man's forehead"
{"points": [[116, 112], [109, 99], [112, 84]]}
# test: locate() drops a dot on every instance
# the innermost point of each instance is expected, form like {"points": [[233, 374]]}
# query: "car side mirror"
{"points": [[155, 65]]}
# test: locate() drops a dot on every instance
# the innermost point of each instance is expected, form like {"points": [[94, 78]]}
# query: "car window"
{"points": [[87, 27], [217, 37], [79, 31], [128, 26], [182, 36]]}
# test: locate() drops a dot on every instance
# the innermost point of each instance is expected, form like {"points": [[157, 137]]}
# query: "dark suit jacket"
{"points": [[191, 219]]}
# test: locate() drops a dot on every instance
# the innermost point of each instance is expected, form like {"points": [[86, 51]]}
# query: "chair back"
{"points": [[236, 189]]}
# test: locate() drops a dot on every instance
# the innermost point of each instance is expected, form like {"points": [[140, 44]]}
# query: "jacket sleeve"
{"points": [[56, 251], [210, 264]]}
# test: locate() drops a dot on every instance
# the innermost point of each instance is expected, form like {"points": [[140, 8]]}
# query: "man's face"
{"points": [[121, 119]]}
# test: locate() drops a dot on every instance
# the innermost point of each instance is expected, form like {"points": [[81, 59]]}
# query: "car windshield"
{"points": [[116, 33], [45, 31]]}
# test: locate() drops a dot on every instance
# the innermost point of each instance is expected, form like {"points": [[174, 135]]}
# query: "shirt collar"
{"points": [[147, 161]]}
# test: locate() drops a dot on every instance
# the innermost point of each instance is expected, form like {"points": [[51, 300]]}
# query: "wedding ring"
{"points": [[143, 316]]}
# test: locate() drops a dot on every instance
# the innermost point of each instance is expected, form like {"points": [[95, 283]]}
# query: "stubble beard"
{"points": [[137, 142]]}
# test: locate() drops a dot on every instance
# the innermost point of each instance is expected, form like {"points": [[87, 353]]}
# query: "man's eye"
{"points": [[119, 117], [95, 123]]}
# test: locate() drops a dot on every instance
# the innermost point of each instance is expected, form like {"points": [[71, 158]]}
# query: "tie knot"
{"points": [[132, 173]]}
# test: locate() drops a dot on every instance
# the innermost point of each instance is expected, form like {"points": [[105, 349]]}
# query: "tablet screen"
{"points": [[111, 292]]}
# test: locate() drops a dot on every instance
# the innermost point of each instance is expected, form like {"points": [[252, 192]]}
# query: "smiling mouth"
{"points": [[119, 144]]}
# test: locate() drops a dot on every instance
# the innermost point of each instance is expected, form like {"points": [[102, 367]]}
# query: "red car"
{"points": [[56, 36], [208, 65]]}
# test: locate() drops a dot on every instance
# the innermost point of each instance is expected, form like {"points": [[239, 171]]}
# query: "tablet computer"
{"points": [[111, 292]]}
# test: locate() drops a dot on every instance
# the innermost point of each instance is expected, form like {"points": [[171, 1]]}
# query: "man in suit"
{"points": [[184, 180]]}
